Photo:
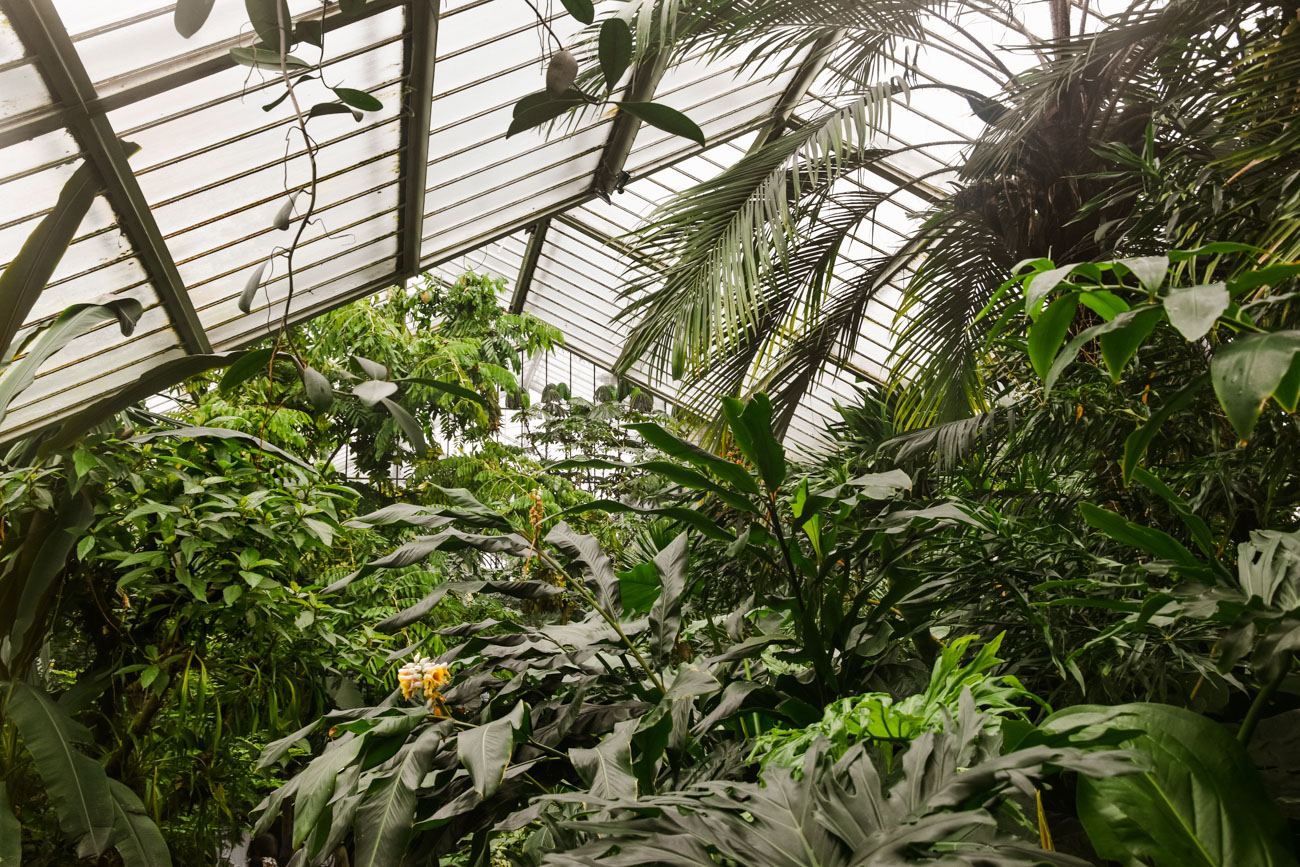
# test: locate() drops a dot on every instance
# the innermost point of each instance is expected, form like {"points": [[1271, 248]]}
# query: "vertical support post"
{"points": [[421, 59]]}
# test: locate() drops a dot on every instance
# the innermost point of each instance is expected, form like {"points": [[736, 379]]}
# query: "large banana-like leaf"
{"points": [[25, 278], [1201, 804], [11, 850], [76, 784], [383, 822], [135, 836], [485, 750], [72, 323]]}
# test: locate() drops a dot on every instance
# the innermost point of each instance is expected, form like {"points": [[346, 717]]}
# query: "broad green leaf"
{"points": [[1155, 542], [1197, 527], [276, 750], [135, 836], [40, 585], [11, 833], [191, 15], [410, 427], [271, 18], [384, 819], [1047, 333], [1269, 275], [751, 428], [372, 369], [23, 280], [485, 750], [249, 365], [49, 339], [1041, 285], [1213, 249], [1150, 270], [1105, 304], [1201, 804], [596, 566], [615, 50], [667, 119], [320, 394], [583, 10], [453, 389], [1250, 370], [1120, 344], [373, 391], [75, 784], [316, 783], [666, 615], [639, 587], [734, 474], [607, 767], [1193, 310], [358, 99], [690, 517], [1135, 445]]}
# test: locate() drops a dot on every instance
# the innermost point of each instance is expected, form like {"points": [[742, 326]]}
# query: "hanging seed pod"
{"points": [[561, 72]]}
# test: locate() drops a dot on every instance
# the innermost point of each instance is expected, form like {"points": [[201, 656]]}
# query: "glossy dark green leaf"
{"points": [[310, 31], [1042, 284], [190, 15], [358, 99], [135, 836], [384, 819], [319, 391], [1201, 804], [750, 424], [251, 286], [23, 280], [75, 784], [485, 750], [615, 50], [639, 587], [410, 427], [1250, 370], [1047, 333], [250, 364], [607, 767], [690, 517], [40, 583], [664, 118], [1270, 275], [583, 10], [1194, 310], [270, 20], [733, 474], [1150, 270], [316, 784]]}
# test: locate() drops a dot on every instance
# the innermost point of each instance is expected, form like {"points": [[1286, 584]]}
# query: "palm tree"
{"points": [[1169, 126]]}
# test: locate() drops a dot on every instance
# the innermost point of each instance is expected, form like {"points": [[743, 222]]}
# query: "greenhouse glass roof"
{"points": [[428, 182]]}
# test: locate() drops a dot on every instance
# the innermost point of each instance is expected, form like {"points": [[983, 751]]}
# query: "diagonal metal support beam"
{"points": [[812, 65], [532, 253], [421, 58], [39, 27], [645, 78]]}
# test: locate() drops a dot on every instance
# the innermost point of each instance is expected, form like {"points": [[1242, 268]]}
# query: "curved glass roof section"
{"points": [[429, 182]]}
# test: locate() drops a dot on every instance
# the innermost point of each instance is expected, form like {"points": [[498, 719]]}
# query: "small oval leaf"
{"points": [[358, 99], [250, 288], [583, 10], [372, 369], [664, 118], [318, 389], [190, 16], [615, 50], [285, 214]]}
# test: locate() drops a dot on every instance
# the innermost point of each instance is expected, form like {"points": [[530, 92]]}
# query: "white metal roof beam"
{"points": [[532, 253], [38, 25], [812, 65], [421, 59]]}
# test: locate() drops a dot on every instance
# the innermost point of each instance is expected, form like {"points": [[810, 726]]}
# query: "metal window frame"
{"points": [[421, 61]]}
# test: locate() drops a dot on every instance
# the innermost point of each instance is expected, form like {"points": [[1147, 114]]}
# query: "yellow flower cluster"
{"points": [[424, 678]]}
